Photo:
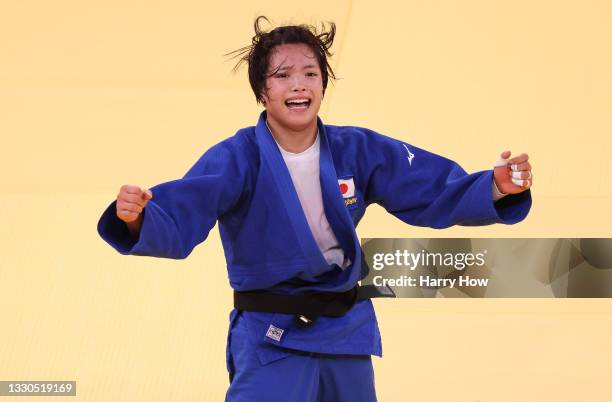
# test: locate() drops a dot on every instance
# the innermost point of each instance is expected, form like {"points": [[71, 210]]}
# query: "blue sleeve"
{"points": [[182, 212], [425, 189]]}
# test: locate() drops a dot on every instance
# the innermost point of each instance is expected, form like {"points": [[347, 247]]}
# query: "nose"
{"points": [[298, 84]]}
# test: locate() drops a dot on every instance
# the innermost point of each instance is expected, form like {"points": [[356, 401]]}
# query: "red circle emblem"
{"points": [[343, 188]]}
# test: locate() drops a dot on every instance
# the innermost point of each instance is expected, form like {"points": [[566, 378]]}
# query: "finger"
{"points": [[127, 216], [131, 189], [147, 195], [134, 198], [522, 183], [130, 206], [503, 159], [524, 175], [519, 159], [521, 166], [128, 212]]}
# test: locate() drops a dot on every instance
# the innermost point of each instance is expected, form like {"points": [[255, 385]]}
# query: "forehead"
{"points": [[292, 54]]}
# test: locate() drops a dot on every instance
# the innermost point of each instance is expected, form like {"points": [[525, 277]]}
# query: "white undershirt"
{"points": [[304, 170]]}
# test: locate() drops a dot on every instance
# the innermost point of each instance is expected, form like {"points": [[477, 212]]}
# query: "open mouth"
{"points": [[298, 104]]}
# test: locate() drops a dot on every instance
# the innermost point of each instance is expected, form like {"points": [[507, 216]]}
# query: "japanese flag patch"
{"points": [[347, 187]]}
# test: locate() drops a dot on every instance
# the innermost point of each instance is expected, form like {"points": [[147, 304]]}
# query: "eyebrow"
{"points": [[291, 67]]}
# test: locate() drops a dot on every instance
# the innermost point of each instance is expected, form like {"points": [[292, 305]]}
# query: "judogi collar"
{"points": [[335, 208]]}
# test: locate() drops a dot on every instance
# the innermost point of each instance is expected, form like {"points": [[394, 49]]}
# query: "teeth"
{"points": [[298, 101]]}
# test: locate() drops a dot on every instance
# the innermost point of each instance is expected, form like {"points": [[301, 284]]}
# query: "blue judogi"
{"points": [[298, 376], [244, 183]]}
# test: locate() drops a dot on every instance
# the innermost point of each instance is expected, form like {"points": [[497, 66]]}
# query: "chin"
{"points": [[302, 121]]}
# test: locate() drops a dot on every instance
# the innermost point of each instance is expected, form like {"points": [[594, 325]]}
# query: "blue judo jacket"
{"points": [[244, 183]]}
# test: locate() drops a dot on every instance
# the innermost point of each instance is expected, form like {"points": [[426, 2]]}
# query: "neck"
{"points": [[292, 140]]}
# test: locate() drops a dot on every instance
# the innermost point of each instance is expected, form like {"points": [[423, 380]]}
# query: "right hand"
{"points": [[131, 200]]}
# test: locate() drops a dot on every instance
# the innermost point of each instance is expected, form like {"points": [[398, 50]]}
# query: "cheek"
{"points": [[319, 89], [273, 92], [320, 93]]}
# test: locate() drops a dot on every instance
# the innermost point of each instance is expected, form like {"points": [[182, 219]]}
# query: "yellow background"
{"points": [[97, 94]]}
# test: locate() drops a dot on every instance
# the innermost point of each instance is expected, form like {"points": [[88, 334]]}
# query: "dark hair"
{"points": [[257, 54]]}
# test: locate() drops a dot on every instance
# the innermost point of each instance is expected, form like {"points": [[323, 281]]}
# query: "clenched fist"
{"points": [[131, 200], [513, 176]]}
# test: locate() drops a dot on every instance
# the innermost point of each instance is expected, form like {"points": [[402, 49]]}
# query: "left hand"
{"points": [[514, 176]]}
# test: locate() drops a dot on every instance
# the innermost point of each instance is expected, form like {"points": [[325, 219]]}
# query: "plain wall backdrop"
{"points": [[97, 94]]}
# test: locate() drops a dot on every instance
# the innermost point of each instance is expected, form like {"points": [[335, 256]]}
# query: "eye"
{"points": [[281, 75], [312, 74]]}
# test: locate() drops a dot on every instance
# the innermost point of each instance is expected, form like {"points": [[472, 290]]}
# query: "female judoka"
{"points": [[288, 194]]}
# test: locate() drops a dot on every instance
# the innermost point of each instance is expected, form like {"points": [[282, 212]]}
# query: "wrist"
{"points": [[497, 195], [134, 226]]}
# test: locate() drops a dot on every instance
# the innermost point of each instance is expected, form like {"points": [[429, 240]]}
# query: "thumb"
{"points": [[503, 159], [147, 195]]}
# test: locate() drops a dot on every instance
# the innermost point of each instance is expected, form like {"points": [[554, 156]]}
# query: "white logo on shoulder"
{"points": [[410, 154], [274, 333]]}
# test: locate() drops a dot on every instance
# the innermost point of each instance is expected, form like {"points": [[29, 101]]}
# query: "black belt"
{"points": [[308, 307]]}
